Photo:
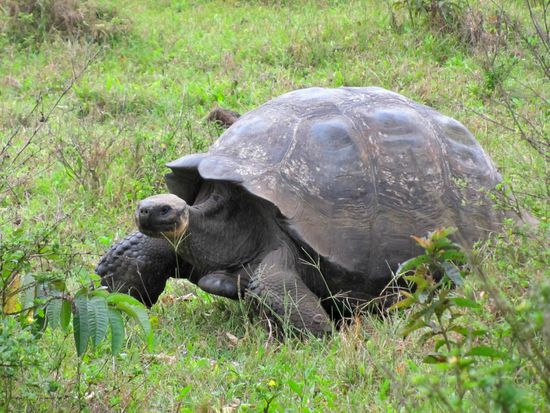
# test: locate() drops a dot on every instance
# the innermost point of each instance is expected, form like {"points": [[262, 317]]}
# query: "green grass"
{"points": [[142, 102]]}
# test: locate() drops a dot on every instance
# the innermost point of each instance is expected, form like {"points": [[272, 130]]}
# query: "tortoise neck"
{"points": [[226, 230]]}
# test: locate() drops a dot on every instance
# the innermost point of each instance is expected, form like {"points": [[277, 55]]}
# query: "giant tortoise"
{"points": [[307, 204]]}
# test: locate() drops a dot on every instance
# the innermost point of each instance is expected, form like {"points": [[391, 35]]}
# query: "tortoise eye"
{"points": [[164, 210]]}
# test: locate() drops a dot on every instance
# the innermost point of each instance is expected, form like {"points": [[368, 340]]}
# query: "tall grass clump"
{"points": [[29, 22], [442, 15]]}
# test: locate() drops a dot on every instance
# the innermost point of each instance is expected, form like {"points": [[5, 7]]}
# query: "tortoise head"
{"points": [[163, 216]]}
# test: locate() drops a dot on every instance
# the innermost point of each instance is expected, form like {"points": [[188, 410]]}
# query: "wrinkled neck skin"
{"points": [[226, 230], [231, 230]]}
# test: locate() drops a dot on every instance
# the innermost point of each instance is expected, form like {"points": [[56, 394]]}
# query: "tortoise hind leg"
{"points": [[139, 266], [284, 299]]}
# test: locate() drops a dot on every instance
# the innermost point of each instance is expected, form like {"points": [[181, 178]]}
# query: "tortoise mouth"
{"points": [[172, 228]]}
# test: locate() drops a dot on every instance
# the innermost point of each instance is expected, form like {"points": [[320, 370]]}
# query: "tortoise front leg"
{"points": [[225, 284], [281, 295], [140, 266]]}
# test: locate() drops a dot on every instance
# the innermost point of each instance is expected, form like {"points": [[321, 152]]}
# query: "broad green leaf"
{"points": [[53, 312], [139, 314], [453, 255], [59, 285], [81, 324], [94, 278], [485, 351], [443, 233], [98, 317], [464, 362], [117, 330], [464, 302], [115, 298], [101, 292], [441, 244], [65, 316], [412, 264], [479, 332]]}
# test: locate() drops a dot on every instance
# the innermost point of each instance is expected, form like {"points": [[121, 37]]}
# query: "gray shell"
{"points": [[356, 171]]}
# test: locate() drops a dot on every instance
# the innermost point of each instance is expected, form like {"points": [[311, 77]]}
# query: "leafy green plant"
{"points": [[433, 276], [33, 287], [438, 308], [450, 321], [94, 311], [19, 351]]}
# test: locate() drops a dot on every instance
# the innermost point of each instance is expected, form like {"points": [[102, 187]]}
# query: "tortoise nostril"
{"points": [[144, 211]]}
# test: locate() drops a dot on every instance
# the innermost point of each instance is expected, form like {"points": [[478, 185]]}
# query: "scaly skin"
{"points": [[138, 265]]}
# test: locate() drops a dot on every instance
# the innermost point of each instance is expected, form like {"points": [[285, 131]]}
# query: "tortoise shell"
{"points": [[355, 171]]}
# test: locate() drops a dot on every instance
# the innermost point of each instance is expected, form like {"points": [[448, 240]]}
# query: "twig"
{"points": [[485, 117], [45, 118], [17, 129]]}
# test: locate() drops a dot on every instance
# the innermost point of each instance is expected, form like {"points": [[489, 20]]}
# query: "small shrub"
{"points": [[467, 356], [19, 352]]}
